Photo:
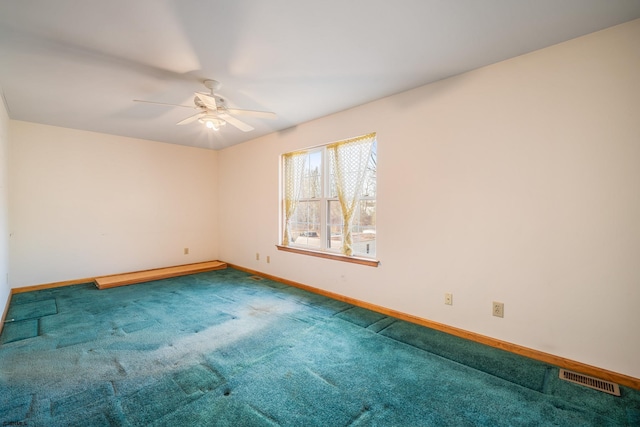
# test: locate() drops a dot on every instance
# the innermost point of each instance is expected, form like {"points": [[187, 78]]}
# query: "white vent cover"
{"points": [[256, 278], [591, 382]]}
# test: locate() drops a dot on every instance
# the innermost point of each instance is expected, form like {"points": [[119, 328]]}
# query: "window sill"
{"points": [[327, 255]]}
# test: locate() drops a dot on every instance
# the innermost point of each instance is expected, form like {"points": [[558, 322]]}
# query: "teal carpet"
{"points": [[221, 349]]}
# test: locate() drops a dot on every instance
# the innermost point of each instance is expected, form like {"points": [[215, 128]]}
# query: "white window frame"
{"points": [[323, 249]]}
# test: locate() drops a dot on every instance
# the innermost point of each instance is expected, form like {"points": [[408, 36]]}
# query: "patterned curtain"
{"points": [[349, 161], [293, 170]]}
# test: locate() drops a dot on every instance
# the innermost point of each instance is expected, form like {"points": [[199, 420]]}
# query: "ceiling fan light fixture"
{"points": [[212, 122]]}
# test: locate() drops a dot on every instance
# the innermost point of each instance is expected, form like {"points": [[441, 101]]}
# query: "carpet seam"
{"points": [[461, 364]]}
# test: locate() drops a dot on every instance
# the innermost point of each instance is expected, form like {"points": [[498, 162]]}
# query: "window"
{"points": [[329, 198]]}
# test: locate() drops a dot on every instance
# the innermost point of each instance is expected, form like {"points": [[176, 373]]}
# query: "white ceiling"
{"points": [[80, 63]]}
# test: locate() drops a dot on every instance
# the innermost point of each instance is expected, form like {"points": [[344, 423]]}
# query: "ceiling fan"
{"points": [[213, 111]]}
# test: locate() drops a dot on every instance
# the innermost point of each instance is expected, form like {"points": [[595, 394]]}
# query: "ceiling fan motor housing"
{"points": [[200, 104]]}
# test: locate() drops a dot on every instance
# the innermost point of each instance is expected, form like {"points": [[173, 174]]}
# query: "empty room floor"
{"points": [[226, 348]]}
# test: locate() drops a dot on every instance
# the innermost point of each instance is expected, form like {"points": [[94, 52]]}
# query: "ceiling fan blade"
{"points": [[163, 103], [208, 100], [235, 122], [191, 119], [259, 114]]}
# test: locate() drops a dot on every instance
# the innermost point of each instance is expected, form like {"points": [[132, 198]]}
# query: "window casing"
{"points": [[323, 187]]}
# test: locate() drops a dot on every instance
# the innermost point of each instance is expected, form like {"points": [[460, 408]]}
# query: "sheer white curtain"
{"points": [[349, 160], [293, 172]]}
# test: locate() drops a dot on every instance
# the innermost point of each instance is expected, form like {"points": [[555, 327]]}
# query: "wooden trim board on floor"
{"points": [[114, 280], [51, 285], [551, 359]]}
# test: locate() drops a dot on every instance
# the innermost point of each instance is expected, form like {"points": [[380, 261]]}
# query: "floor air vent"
{"points": [[256, 278], [595, 383]]}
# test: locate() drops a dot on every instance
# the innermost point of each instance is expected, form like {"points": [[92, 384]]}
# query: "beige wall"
{"points": [[5, 288], [518, 182], [84, 204]]}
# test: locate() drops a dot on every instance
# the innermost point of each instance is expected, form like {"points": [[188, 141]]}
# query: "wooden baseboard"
{"points": [[551, 359], [5, 311]]}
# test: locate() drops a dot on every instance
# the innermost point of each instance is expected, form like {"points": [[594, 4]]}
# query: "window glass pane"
{"points": [[334, 225], [364, 228], [369, 182], [305, 224], [311, 178]]}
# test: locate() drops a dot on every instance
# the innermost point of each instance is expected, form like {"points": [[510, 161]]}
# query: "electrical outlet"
{"points": [[268, 259], [186, 251], [257, 256], [448, 299], [498, 309]]}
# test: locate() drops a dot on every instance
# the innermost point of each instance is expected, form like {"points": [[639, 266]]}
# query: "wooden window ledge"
{"points": [[336, 257]]}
